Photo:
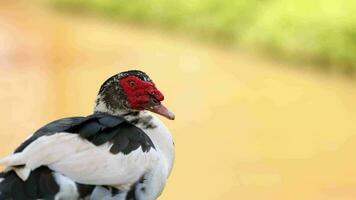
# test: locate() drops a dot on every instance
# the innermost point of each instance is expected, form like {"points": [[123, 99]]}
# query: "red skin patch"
{"points": [[139, 93]]}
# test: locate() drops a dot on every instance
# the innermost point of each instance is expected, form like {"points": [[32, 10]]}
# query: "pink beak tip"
{"points": [[162, 110], [171, 116]]}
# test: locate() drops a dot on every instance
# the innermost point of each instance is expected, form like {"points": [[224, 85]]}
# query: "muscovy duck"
{"points": [[119, 152]]}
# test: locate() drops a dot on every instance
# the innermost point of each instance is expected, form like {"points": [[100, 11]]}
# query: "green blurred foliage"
{"points": [[322, 31]]}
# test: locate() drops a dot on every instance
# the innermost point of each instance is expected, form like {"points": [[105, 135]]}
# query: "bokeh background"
{"points": [[264, 91]]}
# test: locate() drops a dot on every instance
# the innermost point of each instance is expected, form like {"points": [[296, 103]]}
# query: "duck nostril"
{"points": [[154, 100]]}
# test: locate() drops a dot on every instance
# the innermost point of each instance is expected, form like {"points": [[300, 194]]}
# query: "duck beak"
{"points": [[162, 110]]}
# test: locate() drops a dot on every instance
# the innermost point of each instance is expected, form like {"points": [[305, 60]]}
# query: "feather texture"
{"points": [[96, 150], [98, 129]]}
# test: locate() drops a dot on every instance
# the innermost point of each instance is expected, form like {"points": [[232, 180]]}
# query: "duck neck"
{"points": [[143, 119]]}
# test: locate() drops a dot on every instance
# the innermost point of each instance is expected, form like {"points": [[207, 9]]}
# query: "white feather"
{"points": [[101, 193], [163, 141], [67, 188], [157, 177], [11, 160], [84, 162], [23, 172]]}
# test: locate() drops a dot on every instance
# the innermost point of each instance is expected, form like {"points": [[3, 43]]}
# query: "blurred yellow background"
{"points": [[248, 127]]}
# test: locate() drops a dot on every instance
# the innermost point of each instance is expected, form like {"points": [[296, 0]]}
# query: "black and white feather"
{"points": [[102, 156], [99, 149]]}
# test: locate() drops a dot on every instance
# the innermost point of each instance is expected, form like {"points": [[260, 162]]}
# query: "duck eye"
{"points": [[132, 83]]}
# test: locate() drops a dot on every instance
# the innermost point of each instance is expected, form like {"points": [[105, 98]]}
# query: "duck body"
{"points": [[101, 150], [118, 152]]}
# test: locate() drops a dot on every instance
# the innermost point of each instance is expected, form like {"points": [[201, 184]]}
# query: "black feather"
{"points": [[104, 137], [18, 190], [89, 128], [62, 124], [40, 185], [84, 190], [48, 187], [31, 189], [132, 146], [110, 121], [9, 179], [120, 142]]}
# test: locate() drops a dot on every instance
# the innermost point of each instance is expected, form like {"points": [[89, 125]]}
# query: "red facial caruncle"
{"points": [[143, 95]]}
